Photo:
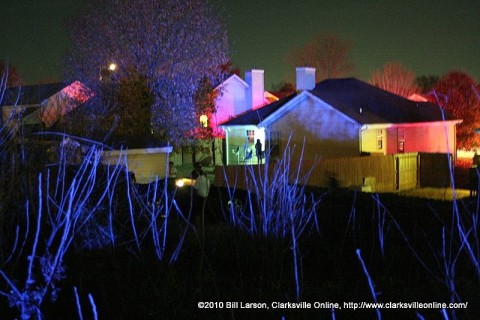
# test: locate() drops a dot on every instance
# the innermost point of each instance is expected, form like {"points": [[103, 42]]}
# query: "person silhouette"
{"points": [[258, 151]]}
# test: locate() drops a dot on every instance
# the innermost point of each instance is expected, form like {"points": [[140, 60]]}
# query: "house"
{"points": [[339, 118], [39, 107], [234, 96]]}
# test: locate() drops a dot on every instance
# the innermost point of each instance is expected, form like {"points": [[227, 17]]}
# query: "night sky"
{"points": [[428, 37]]}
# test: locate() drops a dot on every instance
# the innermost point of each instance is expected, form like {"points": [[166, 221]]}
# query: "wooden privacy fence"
{"points": [[377, 173], [434, 170], [351, 172]]}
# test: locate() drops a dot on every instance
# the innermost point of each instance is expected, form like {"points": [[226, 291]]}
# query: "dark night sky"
{"points": [[428, 37]]}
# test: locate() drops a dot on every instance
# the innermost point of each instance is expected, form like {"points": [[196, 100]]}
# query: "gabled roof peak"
{"points": [[233, 77]]}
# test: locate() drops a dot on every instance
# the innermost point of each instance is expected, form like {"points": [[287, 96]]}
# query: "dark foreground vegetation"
{"points": [[83, 241], [400, 241]]}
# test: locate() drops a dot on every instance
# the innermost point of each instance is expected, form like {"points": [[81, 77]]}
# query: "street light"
{"points": [[106, 72]]}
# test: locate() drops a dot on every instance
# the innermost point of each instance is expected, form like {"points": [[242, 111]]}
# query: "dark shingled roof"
{"points": [[377, 106], [358, 100], [256, 116]]}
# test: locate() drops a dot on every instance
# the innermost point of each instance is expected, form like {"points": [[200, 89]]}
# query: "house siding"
{"points": [[327, 134], [424, 137], [433, 138], [230, 102], [370, 141]]}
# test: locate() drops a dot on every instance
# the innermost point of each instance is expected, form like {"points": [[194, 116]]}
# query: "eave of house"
{"points": [[232, 78], [409, 125], [227, 128]]}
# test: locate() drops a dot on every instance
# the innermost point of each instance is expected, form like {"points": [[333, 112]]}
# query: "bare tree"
{"points": [[395, 78], [328, 53], [169, 44]]}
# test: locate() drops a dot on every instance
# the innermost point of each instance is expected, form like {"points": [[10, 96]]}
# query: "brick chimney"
{"points": [[305, 78], [256, 88]]}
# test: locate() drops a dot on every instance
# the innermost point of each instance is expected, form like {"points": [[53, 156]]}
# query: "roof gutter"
{"points": [[408, 124]]}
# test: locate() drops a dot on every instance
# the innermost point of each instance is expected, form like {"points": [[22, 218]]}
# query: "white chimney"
{"points": [[256, 88], [305, 78]]}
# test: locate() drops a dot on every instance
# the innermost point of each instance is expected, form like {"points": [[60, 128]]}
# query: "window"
{"points": [[401, 140], [250, 136], [379, 139], [204, 120]]}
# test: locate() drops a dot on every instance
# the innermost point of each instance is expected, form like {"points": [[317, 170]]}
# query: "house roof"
{"points": [[30, 95], [368, 104], [64, 101], [254, 117], [358, 100], [231, 78]]}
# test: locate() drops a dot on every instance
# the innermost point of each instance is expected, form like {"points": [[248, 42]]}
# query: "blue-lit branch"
{"points": [[277, 204]]}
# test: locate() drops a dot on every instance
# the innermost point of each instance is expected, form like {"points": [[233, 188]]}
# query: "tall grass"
{"points": [[62, 209], [57, 205], [278, 204]]}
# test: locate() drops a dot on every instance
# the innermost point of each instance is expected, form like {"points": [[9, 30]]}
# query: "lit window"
{"points": [[401, 140], [204, 120], [379, 139], [251, 136]]}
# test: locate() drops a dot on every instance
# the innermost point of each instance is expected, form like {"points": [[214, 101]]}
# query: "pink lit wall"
{"points": [[436, 137], [237, 96]]}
